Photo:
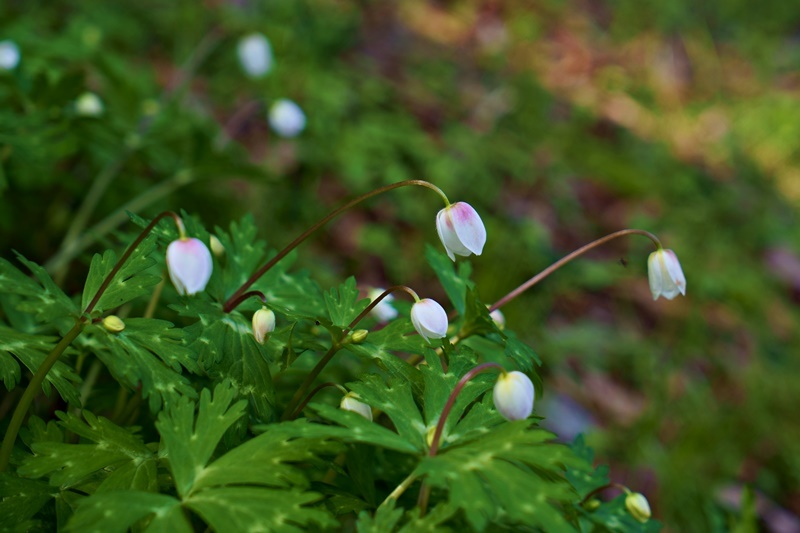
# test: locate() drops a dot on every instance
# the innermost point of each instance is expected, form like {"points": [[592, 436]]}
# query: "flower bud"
{"points": [[429, 319], [665, 274], [113, 324], [359, 336], [286, 118], [638, 506], [89, 105], [350, 402], [255, 55], [189, 264], [9, 55], [461, 230], [498, 318], [263, 324], [216, 246], [513, 395], [383, 311]]}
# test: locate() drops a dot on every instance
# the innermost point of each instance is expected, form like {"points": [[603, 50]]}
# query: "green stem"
{"points": [[31, 391], [566, 259], [311, 396], [229, 304], [400, 489], [298, 395]]}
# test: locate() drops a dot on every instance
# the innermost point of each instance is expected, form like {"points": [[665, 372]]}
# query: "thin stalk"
{"points": [[298, 395], [229, 305], [311, 396], [400, 489], [151, 305], [31, 391], [598, 490], [377, 300], [249, 294], [566, 259]]}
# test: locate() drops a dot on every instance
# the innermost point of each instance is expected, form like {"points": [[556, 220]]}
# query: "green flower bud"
{"points": [[359, 336], [113, 324], [637, 505]]}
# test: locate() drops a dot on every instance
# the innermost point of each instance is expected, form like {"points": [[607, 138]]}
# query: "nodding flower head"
{"points": [[513, 395], [255, 55], [665, 274], [638, 506], [461, 230], [350, 402], [383, 311], [429, 319], [189, 264], [286, 118], [263, 324]]}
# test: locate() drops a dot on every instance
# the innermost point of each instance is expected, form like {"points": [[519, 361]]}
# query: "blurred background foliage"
{"points": [[559, 120]]}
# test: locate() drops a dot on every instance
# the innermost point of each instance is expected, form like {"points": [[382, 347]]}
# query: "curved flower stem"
{"points": [[376, 301], [32, 390], [249, 294], [229, 304], [41, 373], [425, 490], [298, 395], [598, 490], [400, 489], [566, 259], [312, 394]]}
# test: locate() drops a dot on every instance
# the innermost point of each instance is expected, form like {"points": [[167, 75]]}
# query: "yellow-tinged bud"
{"points": [[216, 246], [359, 336], [113, 324], [592, 504], [637, 505], [263, 324], [429, 435], [350, 402]]}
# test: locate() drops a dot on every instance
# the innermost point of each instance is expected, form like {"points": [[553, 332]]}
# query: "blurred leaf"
{"points": [[455, 283], [21, 499], [44, 300], [343, 303]]}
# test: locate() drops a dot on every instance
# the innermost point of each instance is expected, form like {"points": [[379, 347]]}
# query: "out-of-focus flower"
{"points": [[113, 324], [350, 402], [665, 274], [429, 319], [286, 118], [9, 55], [189, 264], [255, 55], [513, 395], [359, 336], [499, 318], [461, 230], [638, 506], [89, 105], [216, 246], [384, 311], [263, 324]]}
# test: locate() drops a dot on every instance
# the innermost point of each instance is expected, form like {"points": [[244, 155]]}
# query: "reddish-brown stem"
{"points": [[311, 396], [604, 487], [377, 300]]}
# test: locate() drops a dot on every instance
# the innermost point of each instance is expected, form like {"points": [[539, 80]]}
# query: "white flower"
{"points": [[89, 105], [638, 506], [498, 318], [263, 324], [9, 55], [255, 55], [383, 311], [429, 319], [461, 230], [513, 395], [189, 264], [665, 274], [351, 403], [286, 118]]}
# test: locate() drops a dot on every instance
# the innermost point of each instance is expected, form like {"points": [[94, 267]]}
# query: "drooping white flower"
{"points": [[461, 230], [665, 274], [286, 118], [89, 105], [383, 311], [513, 395], [350, 402], [189, 264], [255, 55], [499, 318], [638, 506], [263, 324], [9, 55], [429, 319]]}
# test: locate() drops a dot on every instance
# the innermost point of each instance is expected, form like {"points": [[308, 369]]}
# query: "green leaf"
{"points": [[128, 283], [343, 303], [116, 512], [32, 350], [119, 456], [147, 351], [476, 317], [244, 254], [387, 519], [584, 477], [188, 444], [454, 284], [614, 516], [44, 299], [259, 509], [21, 499], [486, 477]]}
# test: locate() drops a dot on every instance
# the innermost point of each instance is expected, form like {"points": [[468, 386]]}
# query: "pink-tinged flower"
{"points": [[189, 264], [263, 324], [461, 230], [665, 274], [429, 319], [350, 402], [513, 395]]}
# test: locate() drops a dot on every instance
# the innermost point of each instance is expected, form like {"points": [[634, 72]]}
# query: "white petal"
{"points": [[469, 227], [189, 264], [429, 319], [513, 395]]}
